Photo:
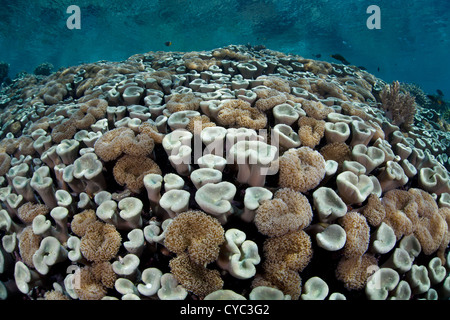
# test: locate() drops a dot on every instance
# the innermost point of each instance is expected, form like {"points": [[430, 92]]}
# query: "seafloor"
{"points": [[235, 173]]}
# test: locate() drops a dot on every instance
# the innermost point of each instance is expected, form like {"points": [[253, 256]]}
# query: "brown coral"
{"points": [[28, 245], [8, 145], [88, 287], [431, 227], [310, 131], [445, 214], [5, 163], [130, 171], [399, 107], [54, 92], [268, 98], [82, 120], [224, 53], [25, 146], [121, 140], [315, 109], [64, 130], [354, 271], [151, 131], [95, 107], [110, 145], [286, 256], [183, 101], [195, 277], [239, 113], [101, 242], [358, 234], [55, 295], [401, 212], [41, 123], [276, 83], [276, 276], [374, 211], [317, 67], [351, 109], [139, 146], [197, 233], [81, 221], [337, 151], [325, 89], [103, 272], [426, 205], [198, 123], [288, 211], [198, 64], [293, 250], [301, 169], [28, 211]]}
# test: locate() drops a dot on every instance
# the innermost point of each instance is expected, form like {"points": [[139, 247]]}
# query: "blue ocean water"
{"points": [[412, 44]]}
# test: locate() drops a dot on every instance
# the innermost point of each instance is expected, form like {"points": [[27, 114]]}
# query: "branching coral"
{"points": [[399, 107]]}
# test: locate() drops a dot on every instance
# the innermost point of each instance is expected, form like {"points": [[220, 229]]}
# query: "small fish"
{"points": [[168, 43], [435, 99], [440, 92], [340, 58], [378, 69]]}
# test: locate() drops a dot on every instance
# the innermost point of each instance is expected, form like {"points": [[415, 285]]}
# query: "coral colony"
{"points": [[236, 173]]}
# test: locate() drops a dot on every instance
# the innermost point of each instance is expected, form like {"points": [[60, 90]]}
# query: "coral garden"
{"points": [[235, 173]]}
